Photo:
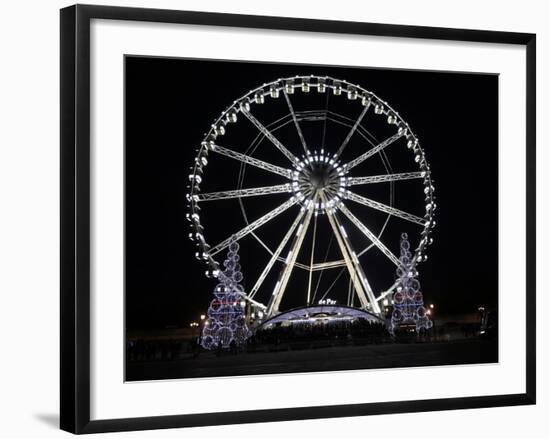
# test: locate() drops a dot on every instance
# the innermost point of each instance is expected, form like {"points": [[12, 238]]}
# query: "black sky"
{"points": [[170, 104]]}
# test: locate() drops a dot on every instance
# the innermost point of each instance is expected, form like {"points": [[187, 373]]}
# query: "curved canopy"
{"points": [[315, 312]]}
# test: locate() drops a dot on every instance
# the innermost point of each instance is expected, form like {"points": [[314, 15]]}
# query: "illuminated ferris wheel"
{"points": [[313, 180]]}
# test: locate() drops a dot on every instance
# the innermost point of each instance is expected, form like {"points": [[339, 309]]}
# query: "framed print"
{"points": [[275, 211]]}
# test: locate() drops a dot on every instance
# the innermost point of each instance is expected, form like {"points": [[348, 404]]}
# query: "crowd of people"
{"points": [[158, 349], [334, 331], [301, 334]]}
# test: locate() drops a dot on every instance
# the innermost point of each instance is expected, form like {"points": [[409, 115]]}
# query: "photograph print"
{"points": [[290, 218]]}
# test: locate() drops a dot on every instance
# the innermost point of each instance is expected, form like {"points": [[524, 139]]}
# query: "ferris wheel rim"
{"points": [[259, 94]]}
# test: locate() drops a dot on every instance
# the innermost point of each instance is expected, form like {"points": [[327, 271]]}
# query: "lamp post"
{"points": [[203, 323], [430, 312], [194, 327]]}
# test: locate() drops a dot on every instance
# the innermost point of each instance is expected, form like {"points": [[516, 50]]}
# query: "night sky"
{"points": [[171, 103]]}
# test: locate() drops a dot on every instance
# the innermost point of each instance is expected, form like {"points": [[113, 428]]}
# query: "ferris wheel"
{"points": [[321, 143]]}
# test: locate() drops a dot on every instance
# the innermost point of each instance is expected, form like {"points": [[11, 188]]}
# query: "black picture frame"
{"points": [[75, 217]]}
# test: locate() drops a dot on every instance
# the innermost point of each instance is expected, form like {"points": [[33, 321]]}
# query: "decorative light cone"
{"points": [[408, 302], [226, 323]]}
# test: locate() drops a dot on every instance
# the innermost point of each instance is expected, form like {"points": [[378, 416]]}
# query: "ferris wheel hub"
{"points": [[320, 177]]}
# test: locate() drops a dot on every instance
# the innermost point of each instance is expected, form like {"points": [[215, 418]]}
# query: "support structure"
{"points": [[280, 286], [310, 277], [360, 282]]}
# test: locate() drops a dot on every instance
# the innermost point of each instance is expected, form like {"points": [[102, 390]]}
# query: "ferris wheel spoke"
{"points": [[373, 151], [276, 254], [371, 236], [251, 161], [339, 119], [270, 136], [385, 208], [323, 138], [357, 275], [384, 178], [353, 129], [249, 192], [253, 226], [298, 129]]}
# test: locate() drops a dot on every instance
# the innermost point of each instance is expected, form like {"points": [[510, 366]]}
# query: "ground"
{"points": [[208, 364]]}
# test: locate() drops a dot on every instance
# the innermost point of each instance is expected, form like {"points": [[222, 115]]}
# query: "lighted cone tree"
{"points": [[408, 302], [226, 325]]}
